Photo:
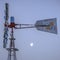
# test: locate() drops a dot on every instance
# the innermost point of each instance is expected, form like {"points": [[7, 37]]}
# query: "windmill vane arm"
{"points": [[23, 26], [20, 26]]}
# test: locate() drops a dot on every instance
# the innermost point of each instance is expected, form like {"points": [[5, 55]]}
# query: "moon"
{"points": [[31, 44]]}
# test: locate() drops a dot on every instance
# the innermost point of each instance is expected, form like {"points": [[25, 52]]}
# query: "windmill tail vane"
{"points": [[47, 25]]}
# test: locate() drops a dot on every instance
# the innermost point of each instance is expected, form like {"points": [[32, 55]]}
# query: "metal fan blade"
{"points": [[5, 26]]}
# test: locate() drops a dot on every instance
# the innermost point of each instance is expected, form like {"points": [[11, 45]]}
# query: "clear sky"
{"points": [[32, 44]]}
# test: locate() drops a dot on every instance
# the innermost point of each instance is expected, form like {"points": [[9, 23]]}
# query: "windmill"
{"points": [[47, 25]]}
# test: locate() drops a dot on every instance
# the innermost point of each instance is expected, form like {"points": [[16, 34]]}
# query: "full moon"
{"points": [[31, 44]]}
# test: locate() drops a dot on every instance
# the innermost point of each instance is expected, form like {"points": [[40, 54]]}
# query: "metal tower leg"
{"points": [[12, 50]]}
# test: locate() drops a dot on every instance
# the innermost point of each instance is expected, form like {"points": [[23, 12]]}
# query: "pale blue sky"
{"points": [[46, 46]]}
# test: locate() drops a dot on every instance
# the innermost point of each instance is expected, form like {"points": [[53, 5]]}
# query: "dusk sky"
{"points": [[32, 44]]}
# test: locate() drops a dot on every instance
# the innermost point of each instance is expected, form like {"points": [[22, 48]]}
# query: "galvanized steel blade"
{"points": [[5, 26]]}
